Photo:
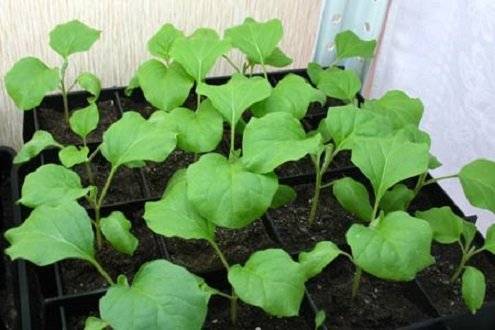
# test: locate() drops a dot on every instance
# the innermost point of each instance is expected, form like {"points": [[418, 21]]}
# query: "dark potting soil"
{"points": [[52, 120], [130, 104], [237, 245], [79, 276], [291, 221], [435, 280], [378, 305], [316, 109]]}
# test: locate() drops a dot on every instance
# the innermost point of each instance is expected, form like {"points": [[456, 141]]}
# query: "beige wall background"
{"points": [[126, 26]]}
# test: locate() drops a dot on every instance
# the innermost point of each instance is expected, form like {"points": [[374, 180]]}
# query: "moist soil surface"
{"points": [[52, 120]]}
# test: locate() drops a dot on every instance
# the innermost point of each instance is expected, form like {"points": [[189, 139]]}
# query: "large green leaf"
{"points": [[315, 260], [275, 139], [84, 121], [29, 80], [164, 87], [72, 37], [39, 142], [160, 44], [134, 139], [199, 52], [51, 234], [353, 197], [52, 185], [348, 44], [226, 193], [293, 95], [257, 40], [271, 280], [397, 198], [116, 229], [174, 214], [161, 296], [339, 84], [478, 182], [399, 107], [90, 83], [446, 225], [490, 239], [473, 288], [233, 98], [387, 161], [72, 155], [393, 248]]}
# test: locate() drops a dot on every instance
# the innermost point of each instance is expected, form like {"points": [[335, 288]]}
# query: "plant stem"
{"points": [[232, 64], [87, 164], [219, 253], [375, 209], [440, 178], [64, 91], [102, 272], [198, 100], [465, 258], [233, 307], [99, 240], [265, 74], [316, 194], [232, 140], [356, 281], [419, 185]]}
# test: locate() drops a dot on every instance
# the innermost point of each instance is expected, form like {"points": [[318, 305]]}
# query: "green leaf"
{"points": [[164, 87], [29, 80], [274, 139], [199, 52], [197, 131], [339, 84], [401, 109], [72, 155], [314, 261], [320, 318], [39, 142], [396, 199], [348, 44], [387, 161], [116, 229], [434, 163], [278, 59], [51, 234], [262, 283], [175, 216], [346, 125], [314, 71], [284, 195], [52, 185], [490, 239], [446, 225], [393, 248], [90, 83], [72, 37], [353, 197], [94, 323], [473, 288], [478, 182], [468, 232], [163, 295], [160, 44], [414, 134], [293, 95], [226, 193], [85, 120], [257, 40], [132, 85], [234, 97], [134, 139]]}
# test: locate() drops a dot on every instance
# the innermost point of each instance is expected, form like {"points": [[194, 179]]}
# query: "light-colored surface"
{"points": [[443, 53], [126, 26]]}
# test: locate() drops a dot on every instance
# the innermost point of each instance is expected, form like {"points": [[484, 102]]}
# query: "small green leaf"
{"points": [[52, 185], [159, 45], [71, 155], [468, 232], [262, 283], [90, 83], [434, 163], [165, 296], [234, 196], [446, 225], [473, 288], [132, 85], [72, 37], [292, 94], [278, 59], [353, 197], [314, 261], [257, 40], [164, 87], [339, 84], [490, 239], [478, 182], [234, 97], [29, 80], [116, 229], [414, 134], [94, 323], [274, 139], [175, 216], [134, 139], [199, 52], [284, 195], [39, 142], [348, 44], [320, 318], [51, 234], [393, 248], [85, 120], [314, 71], [396, 199]]}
